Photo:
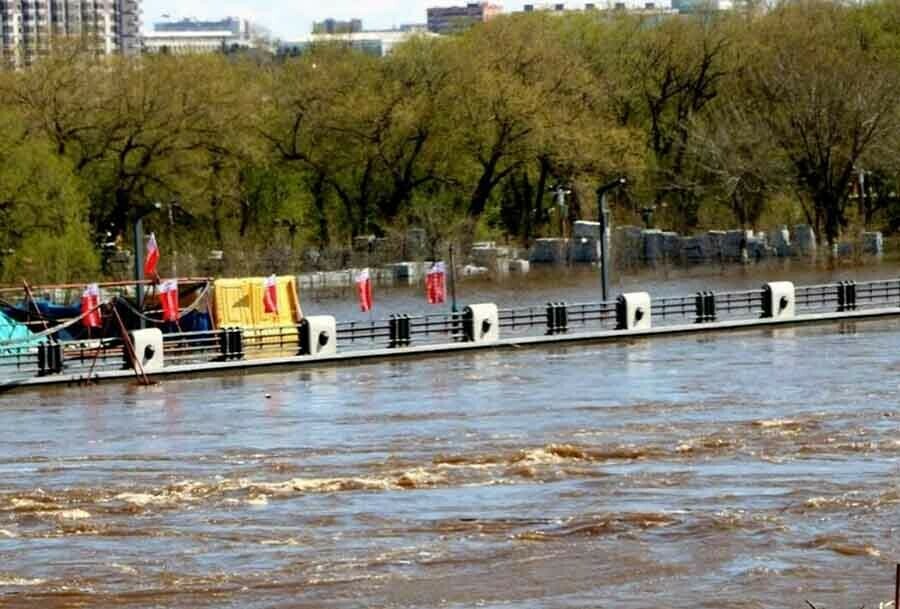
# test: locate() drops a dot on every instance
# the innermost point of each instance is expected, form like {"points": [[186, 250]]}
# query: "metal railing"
{"points": [[557, 317], [83, 359], [400, 331]]}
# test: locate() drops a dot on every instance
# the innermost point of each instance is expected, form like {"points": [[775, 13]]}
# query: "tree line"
{"points": [[717, 120]]}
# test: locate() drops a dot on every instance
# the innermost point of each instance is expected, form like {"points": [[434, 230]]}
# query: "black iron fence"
{"points": [[46, 355]]}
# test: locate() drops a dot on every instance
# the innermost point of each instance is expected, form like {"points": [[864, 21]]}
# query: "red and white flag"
{"points": [[270, 294], [436, 284], [168, 297], [90, 306], [364, 290], [152, 258]]}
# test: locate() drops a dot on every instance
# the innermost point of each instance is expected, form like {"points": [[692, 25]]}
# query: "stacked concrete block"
{"points": [[672, 246], [405, 273], [654, 247], [549, 251], [692, 251], [804, 241], [780, 241], [495, 259], [519, 266], [586, 250], [713, 243], [735, 245], [843, 250], [873, 244], [586, 246], [627, 246], [591, 230], [471, 270], [758, 247]]}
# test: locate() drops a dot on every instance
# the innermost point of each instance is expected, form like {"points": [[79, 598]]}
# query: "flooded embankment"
{"points": [[754, 469]]}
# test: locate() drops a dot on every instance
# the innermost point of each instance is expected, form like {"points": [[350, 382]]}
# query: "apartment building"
{"points": [[446, 20], [334, 26], [28, 27]]}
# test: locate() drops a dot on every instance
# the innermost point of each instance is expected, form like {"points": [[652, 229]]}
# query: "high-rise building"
{"points": [[28, 27], [446, 20], [333, 26]]}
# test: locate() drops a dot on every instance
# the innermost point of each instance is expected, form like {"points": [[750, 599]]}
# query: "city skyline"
{"points": [[288, 20]]}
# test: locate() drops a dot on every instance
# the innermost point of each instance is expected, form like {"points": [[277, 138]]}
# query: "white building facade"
{"points": [[190, 36]]}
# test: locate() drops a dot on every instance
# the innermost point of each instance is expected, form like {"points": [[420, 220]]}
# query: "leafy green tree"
{"points": [[44, 234], [826, 97]]}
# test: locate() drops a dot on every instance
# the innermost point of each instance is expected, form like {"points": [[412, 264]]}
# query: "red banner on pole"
{"points": [[364, 290], [90, 303], [270, 294], [152, 258], [168, 297], [436, 284]]}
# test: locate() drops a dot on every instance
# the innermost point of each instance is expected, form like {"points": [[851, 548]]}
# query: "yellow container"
{"points": [[238, 303]]}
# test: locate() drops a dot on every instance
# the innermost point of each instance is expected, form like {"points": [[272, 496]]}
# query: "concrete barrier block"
{"points": [[758, 249], [654, 246], [549, 251], [470, 270], [672, 245], [873, 244], [634, 311], [583, 228], [780, 241], [586, 250], [692, 250], [735, 245], [519, 266], [481, 323], [318, 335], [148, 348], [495, 259], [779, 300], [713, 242], [804, 241], [627, 246], [407, 273]]}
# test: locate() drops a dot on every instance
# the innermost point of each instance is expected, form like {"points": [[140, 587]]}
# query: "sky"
{"points": [[288, 19]]}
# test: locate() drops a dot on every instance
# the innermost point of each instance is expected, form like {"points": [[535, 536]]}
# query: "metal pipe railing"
{"points": [[79, 358]]}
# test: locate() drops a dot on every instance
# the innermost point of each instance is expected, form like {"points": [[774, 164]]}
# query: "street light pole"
{"points": [[139, 256], [453, 308], [139, 265], [604, 217]]}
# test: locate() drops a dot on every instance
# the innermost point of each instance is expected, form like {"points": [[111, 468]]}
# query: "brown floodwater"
{"points": [[751, 469]]}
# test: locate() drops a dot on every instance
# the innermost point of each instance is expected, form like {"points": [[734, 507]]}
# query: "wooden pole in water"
{"points": [[31, 301], [897, 588], [142, 377]]}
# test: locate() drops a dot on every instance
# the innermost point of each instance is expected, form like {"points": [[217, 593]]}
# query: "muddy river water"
{"points": [[752, 469]]}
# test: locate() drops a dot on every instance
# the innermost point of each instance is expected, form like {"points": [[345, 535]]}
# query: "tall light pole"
{"points": [[139, 253], [603, 212], [560, 192]]}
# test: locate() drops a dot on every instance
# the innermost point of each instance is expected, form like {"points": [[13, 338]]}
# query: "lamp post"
{"points": [[453, 307], [560, 192], [139, 253], [603, 212]]}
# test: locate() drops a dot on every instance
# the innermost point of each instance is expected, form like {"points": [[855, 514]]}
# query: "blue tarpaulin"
{"points": [[12, 333]]}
